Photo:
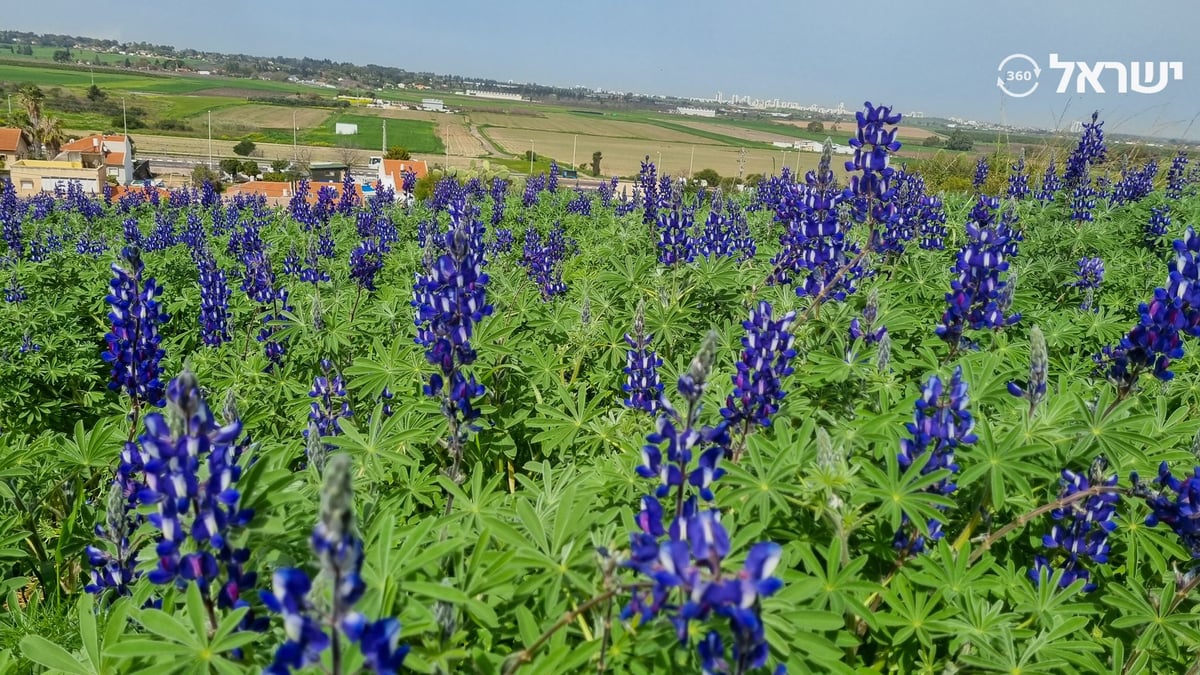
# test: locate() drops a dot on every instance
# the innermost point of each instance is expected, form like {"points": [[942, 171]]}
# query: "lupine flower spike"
{"points": [[339, 551], [1035, 389], [1081, 529], [941, 423]]}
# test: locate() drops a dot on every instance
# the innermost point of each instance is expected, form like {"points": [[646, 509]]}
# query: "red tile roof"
{"points": [[395, 167], [10, 139], [115, 159], [91, 142]]}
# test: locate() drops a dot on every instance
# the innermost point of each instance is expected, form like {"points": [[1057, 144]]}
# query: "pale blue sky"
{"points": [[939, 56]]}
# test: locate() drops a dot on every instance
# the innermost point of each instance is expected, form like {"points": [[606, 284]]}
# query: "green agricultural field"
{"points": [[415, 135]]}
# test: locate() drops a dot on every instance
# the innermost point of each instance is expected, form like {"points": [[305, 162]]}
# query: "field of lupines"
{"points": [[820, 427]]}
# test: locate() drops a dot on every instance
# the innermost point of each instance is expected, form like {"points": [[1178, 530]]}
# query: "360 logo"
{"points": [[1019, 73]]}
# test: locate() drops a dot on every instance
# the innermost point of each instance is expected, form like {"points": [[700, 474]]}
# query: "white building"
{"points": [[695, 112], [501, 95], [433, 105], [345, 129]]}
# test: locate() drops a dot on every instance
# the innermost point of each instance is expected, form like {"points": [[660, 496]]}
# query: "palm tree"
{"points": [[52, 135], [31, 97]]}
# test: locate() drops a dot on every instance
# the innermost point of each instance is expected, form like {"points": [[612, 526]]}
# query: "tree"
{"points": [[932, 142], [596, 157], [250, 168], [62, 56], [231, 166], [96, 94], [710, 177], [280, 165], [815, 127], [245, 147], [348, 155], [397, 152], [959, 140], [201, 174], [51, 134]]}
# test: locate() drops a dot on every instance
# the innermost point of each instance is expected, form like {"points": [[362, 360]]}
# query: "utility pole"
{"points": [[124, 119], [210, 140], [531, 156], [295, 147], [574, 145], [692, 161], [385, 137]]}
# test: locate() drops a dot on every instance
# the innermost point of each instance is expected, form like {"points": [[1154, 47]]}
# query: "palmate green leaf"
{"points": [[904, 494], [566, 422], [915, 613], [1001, 464]]}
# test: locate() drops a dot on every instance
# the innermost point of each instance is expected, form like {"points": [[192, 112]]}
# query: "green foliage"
{"points": [[815, 127], [550, 474], [709, 176], [959, 140], [397, 152], [244, 147]]}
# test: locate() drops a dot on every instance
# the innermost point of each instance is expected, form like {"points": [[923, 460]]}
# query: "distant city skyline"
{"points": [[940, 57]]}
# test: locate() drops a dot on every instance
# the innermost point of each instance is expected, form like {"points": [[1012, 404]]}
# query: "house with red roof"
{"points": [[13, 145], [391, 172], [112, 151]]}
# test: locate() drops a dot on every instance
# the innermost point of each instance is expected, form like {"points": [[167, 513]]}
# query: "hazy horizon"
{"points": [[941, 59]]}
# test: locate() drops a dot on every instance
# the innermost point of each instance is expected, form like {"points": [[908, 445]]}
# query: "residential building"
{"points": [[327, 172], [13, 145], [433, 105], [114, 152], [695, 112], [31, 176], [280, 193], [391, 172]]}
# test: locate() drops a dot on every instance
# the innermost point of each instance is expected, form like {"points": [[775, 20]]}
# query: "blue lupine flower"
{"points": [[675, 243], [348, 199], [330, 404], [1156, 340], [1090, 275], [498, 192], [814, 240], [974, 300], [683, 559], [1083, 200], [133, 235], [581, 205], [543, 262], [1089, 152], [981, 173], [1051, 183], [189, 473], [1082, 527], [552, 181], [503, 243], [932, 225], [450, 297], [14, 292], [648, 183], [766, 359], [941, 423], [870, 193], [1174, 503], [1160, 220], [642, 386], [28, 345], [366, 260], [1018, 180], [1135, 183], [214, 303], [340, 553], [132, 346], [533, 189], [865, 329], [1035, 389], [1175, 175], [273, 314]]}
